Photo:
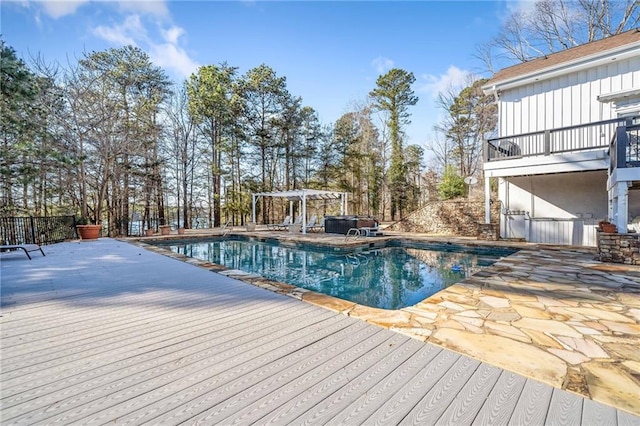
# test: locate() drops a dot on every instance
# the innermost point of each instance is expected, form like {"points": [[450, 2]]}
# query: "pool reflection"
{"points": [[388, 278]]}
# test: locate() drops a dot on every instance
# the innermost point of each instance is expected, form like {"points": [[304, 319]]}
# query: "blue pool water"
{"points": [[390, 277]]}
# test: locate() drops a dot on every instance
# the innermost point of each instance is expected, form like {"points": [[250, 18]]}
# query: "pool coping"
{"points": [[503, 317]]}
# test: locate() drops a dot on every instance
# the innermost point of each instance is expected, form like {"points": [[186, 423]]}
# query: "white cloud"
{"points": [[454, 78], [146, 7], [171, 56], [58, 9], [122, 34], [147, 25], [382, 64], [163, 46], [172, 34]]}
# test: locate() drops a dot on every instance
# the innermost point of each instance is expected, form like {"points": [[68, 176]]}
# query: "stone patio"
{"points": [[553, 314]]}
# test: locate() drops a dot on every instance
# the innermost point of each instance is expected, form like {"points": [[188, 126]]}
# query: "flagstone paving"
{"points": [[549, 313]]}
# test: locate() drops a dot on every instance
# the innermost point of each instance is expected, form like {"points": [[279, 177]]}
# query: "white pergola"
{"points": [[302, 195]]}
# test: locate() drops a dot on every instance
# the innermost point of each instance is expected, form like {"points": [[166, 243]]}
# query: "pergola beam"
{"points": [[302, 195]]}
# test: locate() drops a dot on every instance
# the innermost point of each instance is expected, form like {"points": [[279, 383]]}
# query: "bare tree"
{"points": [[549, 26], [470, 116]]}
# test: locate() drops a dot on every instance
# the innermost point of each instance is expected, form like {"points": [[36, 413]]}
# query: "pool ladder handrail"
{"points": [[355, 233], [226, 228]]}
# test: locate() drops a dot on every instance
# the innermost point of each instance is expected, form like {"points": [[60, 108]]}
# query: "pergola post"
{"points": [[253, 207], [304, 211], [343, 205]]}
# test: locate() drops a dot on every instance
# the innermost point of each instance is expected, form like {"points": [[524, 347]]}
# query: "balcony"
{"points": [[567, 149], [582, 138]]}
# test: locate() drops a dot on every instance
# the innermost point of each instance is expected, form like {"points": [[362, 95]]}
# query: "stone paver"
{"points": [[552, 314]]}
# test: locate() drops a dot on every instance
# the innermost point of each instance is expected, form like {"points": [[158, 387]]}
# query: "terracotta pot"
{"points": [[181, 231], [165, 229], [609, 228], [149, 232], [89, 232]]}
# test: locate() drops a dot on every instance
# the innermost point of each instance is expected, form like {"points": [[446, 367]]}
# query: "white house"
{"points": [[566, 155]]}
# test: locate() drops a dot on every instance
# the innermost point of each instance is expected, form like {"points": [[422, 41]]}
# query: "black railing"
{"points": [[625, 147], [37, 230], [584, 137]]}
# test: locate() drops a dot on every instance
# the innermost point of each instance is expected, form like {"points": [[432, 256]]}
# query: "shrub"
{"points": [[452, 184]]}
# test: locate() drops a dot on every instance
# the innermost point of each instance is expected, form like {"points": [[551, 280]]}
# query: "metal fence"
{"points": [[37, 230]]}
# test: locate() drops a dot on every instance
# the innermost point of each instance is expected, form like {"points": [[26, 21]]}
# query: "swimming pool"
{"points": [[394, 276]]}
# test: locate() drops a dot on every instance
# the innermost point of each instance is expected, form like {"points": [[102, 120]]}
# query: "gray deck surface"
{"points": [[101, 332]]}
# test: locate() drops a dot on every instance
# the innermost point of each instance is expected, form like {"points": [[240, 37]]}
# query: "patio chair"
{"points": [[27, 248], [280, 226]]}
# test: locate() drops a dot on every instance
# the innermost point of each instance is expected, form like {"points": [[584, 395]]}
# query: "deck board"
{"points": [[149, 339], [533, 404], [595, 413], [429, 361], [139, 379], [244, 384], [430, 395], [145, 360], [327, 409], [565, 409], [500, 404], [293, 386], [311, 397], [468, 402], [56, 362]]}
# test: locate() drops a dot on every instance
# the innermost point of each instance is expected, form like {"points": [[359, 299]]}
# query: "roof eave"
{"points": [[585, 62]]}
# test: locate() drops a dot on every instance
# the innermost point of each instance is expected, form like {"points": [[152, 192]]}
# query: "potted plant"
{"points": [[86, 230], [607, 227], [149, 232]]}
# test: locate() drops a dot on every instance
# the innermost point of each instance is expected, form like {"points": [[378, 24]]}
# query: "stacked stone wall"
{"points": [[619, 248], [462, 218]]}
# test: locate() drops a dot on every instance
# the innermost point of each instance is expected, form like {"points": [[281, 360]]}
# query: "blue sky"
{"points": [[331, 52]]}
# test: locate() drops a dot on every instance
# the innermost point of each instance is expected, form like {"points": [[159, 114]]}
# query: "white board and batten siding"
{"points": [[566, 100]]}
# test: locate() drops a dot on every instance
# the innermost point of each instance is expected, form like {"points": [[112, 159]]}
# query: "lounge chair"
{"points": [[317, 227], [312, 222], [295, 226], [26, 247], [280, 226]]}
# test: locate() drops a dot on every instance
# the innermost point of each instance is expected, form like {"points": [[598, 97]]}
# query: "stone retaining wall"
{"points": [[619, 248], [462, 218]]}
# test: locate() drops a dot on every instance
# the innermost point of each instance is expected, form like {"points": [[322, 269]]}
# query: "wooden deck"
{"points": [[103, 331]]}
